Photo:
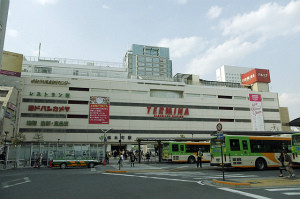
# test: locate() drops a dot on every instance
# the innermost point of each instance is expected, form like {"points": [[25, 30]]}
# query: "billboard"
{"points": [[11, 64], [99, 110], [256, 75], [256, 112]]}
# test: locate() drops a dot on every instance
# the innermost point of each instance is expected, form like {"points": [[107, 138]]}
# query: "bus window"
{"points": [[175, 147], [245, 145], [235, 145], [181, 147]]}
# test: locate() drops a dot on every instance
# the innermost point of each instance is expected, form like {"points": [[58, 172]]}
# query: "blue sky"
{"points": [[202, 35]]}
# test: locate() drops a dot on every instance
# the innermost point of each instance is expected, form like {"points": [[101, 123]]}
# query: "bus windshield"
{"points": [[215, 143], [296, 140]]}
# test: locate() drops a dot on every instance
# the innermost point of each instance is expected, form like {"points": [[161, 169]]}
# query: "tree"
{"points": [[182, 136], [38, 137], [19, 138]]}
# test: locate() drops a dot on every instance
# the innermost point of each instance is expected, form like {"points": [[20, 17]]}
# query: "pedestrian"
{"points": [[39, 161], [132, 159], [3, 157], [121, 159], [199, 158], [281, 166], [288, 164], [107, 158]]}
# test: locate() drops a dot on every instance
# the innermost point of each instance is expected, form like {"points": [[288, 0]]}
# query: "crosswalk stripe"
{"points": [[292, 193]]}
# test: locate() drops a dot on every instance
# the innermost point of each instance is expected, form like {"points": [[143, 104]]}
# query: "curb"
{"points": [[230, 184], [116, 171]]}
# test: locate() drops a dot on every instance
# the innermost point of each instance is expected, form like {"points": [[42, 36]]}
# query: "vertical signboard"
{"points": [[256, 112], [11, 64], [99, 110]]}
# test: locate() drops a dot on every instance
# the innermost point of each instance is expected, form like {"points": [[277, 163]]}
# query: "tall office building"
{"points": [[4, 4], [148, 62], [231, 73]]}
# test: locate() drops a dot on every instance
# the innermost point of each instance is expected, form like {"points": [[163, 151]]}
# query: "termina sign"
{"points": [[256, 75], [167, 112]]}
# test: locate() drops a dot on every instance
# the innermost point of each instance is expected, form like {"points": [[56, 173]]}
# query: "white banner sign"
{"points": [[256, 112]]}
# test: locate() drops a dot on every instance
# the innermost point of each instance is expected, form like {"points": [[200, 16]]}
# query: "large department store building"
{"points": [[77, 101]]}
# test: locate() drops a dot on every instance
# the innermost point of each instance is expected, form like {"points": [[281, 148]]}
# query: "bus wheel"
{"points": [[91, 165], [191, 160], [63, 165], [260, 164]]}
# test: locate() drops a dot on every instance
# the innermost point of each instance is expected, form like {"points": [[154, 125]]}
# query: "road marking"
{"points": [[93, 169], [244, 193], [8, 184], [157, 178], [292, 193], [200, 182], [285, 189]]}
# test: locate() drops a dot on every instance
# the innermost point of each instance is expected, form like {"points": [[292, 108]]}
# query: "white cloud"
{"points": [[12, 33], [44, 2], [226, 53], [214, 12], [269, 21], [105, 7], [180, 47], [292, 101]]}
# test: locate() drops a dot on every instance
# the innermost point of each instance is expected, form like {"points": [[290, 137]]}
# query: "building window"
{"points": [[47, 70], [78, 89], [3, 93], [77, 116], [224, 97]]}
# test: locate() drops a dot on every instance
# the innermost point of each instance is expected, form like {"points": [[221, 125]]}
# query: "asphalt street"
{"points": [[143, 181]]}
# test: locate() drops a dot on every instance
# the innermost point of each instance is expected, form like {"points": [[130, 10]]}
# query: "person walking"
{"points": [[121, 159], [288, 164], [199, 158], [132, 159], [281, 166], [39, 161]]}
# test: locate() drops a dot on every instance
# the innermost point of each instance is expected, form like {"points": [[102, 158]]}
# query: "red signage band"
{"points": [[256, 75], [48, 108]]}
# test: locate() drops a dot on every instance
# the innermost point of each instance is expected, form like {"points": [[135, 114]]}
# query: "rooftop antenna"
{"points": [[39, 50]]}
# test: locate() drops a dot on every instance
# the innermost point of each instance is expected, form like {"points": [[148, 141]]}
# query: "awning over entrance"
{"points": [[295, 122]]}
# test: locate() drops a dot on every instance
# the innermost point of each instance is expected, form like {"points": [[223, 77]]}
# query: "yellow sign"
{"points": [[11, 64]]}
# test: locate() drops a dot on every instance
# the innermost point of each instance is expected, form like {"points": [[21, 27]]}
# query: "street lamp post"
{"points": [[105, 141]]}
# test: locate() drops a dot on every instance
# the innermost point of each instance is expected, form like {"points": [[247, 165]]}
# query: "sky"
{"points": [[202, 35]]}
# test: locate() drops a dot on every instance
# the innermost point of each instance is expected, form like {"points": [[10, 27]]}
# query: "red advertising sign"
{"points": [[99, 110], [256, 75]]}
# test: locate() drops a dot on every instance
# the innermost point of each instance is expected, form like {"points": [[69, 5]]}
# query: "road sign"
{"points": [[219, 127]]}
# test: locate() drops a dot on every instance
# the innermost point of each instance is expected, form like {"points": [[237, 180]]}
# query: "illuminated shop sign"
{"points": [[48, 108], [52, 94], [167, 112], [47, 123], [51, 82]]}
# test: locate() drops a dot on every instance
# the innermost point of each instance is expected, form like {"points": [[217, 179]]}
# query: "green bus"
{"points": [[185, 151], [296, 148], [257, 152]]}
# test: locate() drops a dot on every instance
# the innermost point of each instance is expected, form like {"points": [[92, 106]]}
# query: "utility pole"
{"points": [[120, 141]]}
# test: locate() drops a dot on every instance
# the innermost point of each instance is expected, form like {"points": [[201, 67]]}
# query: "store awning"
{"points": [[295, 122]]}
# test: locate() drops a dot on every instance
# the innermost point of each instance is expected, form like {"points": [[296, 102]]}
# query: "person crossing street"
{"points": [[199, 158]]}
